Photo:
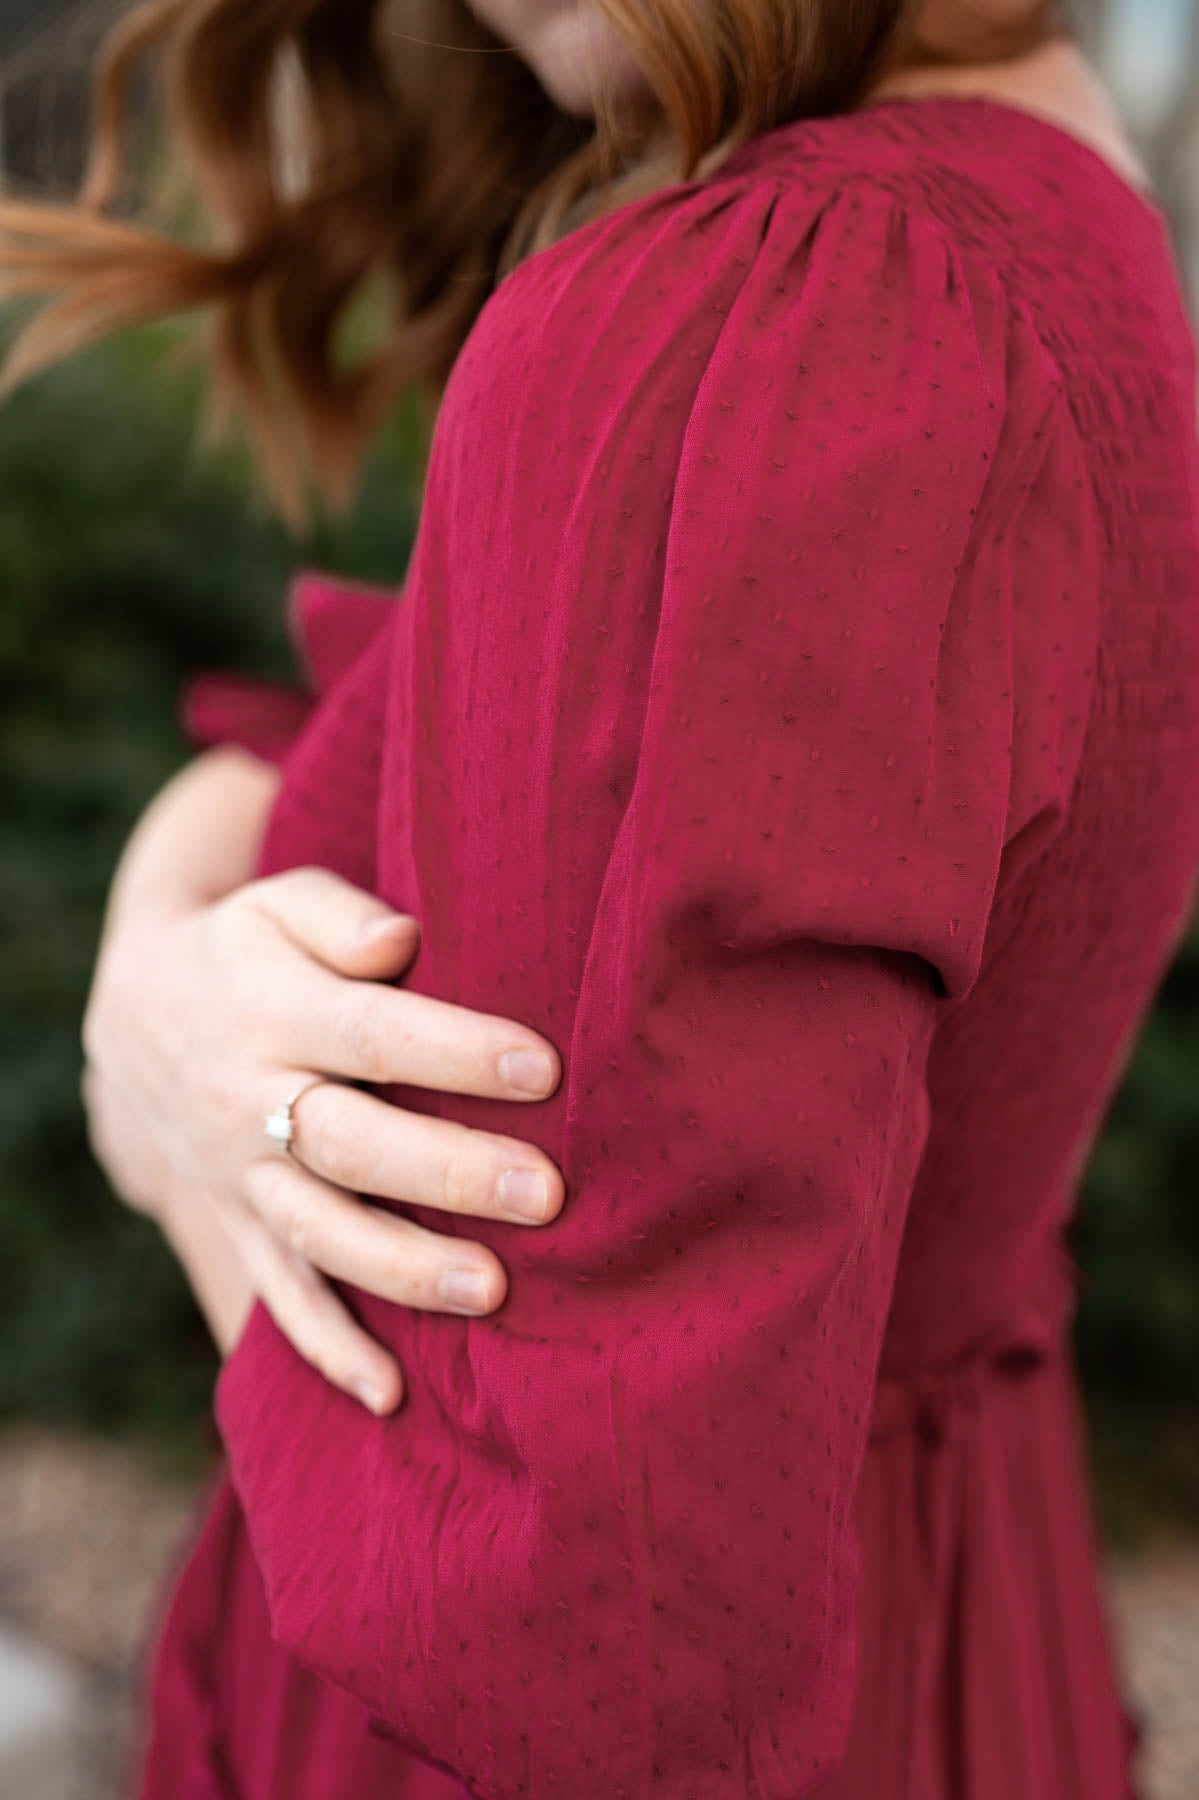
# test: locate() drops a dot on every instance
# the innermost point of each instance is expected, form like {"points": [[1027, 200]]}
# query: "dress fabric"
{"points": [[791, 709]]}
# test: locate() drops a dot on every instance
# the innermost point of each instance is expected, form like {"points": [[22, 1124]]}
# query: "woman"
{"points": [[789, 725]]}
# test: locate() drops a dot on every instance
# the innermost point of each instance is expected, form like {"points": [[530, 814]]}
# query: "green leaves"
{"points": [[127, 559]]}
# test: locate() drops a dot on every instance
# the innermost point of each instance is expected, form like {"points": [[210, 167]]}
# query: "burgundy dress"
{"points": [[792, 710]]}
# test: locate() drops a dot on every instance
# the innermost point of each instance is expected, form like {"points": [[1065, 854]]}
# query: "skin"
{"points": [[215, 995], [574, 51], [571, 48], [1055, 81]]}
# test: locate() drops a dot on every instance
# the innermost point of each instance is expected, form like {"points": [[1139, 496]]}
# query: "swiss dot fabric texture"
{"points": [[792, 710]]}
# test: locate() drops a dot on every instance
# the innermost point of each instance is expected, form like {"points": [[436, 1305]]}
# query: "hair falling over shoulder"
{"points": [[331, 147]]}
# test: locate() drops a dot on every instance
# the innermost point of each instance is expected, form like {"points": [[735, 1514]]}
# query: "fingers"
{"points": [[367, 1031], [394, 1258], [344, 927], [370, 1032], [367, 1145], [313, 1318]]}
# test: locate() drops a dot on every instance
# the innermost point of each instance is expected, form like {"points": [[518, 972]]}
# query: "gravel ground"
{"points": [[88, 1531], [88, 1528], [1154, 1603]]}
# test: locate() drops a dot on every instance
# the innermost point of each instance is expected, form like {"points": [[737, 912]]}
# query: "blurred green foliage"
{"points": [[126, 560]]}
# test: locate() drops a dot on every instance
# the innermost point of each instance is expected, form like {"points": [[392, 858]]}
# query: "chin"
{"points": [[577, 55]]}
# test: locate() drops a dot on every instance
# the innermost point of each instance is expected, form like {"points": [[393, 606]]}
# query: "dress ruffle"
{"points": [[330, 620]]}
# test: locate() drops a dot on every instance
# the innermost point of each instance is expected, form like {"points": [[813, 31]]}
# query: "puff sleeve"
{"points": [[329, 619], [628, 1568]]}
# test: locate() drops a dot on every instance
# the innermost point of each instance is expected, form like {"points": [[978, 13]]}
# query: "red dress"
{"points": [[792, 710]]}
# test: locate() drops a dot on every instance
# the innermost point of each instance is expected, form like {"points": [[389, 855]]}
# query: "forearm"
{"points": [[198, 838], [196, 841]]}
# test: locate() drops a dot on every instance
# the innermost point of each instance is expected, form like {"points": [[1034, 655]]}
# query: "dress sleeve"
{"points": [[628, 1567], [330, 619]]}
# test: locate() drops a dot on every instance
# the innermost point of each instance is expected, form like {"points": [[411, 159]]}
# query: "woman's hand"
{"points": [[204, 1017]]}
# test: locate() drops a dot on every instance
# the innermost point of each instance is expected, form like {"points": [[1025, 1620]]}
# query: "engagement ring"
{"points": [[280, 1125]]}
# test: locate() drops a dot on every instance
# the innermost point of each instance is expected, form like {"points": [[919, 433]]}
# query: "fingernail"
{"points": [[466, 1288], [530, 1071], [523, 1192], [370, 1395], [375, 930]]}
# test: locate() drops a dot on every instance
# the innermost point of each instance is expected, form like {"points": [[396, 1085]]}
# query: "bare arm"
{"points": [[215, 994], [195, 842], [198, 838]]}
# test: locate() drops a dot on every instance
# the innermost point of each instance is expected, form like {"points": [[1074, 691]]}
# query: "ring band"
{"points": [[280, 1125]]}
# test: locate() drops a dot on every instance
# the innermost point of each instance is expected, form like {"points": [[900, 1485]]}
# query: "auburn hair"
{"points": [[395, 154]]}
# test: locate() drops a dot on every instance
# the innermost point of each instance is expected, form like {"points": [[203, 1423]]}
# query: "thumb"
{"points": [[343, 926], [380, 945]]}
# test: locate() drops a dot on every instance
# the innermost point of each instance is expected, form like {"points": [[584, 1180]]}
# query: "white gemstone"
{"points": [[278, 1127]]}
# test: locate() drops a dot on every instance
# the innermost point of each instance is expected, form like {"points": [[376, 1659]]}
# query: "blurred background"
{"points": [[128, 558]]}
